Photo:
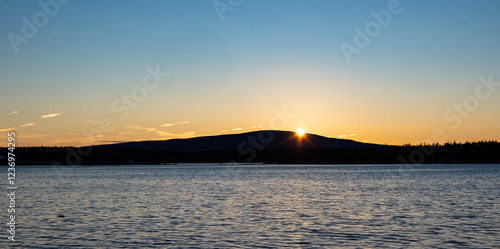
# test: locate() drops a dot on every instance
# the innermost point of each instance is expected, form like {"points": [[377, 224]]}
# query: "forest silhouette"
{"points": [[469, 152]]}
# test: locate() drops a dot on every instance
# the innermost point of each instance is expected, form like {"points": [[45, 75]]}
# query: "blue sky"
{"points": [[232, 74]]}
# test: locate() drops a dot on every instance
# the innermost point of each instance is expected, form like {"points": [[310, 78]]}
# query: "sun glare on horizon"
{"points": [[300, 132]]}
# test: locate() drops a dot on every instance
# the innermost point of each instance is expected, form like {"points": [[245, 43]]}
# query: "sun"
{"points": [[300, 132]]}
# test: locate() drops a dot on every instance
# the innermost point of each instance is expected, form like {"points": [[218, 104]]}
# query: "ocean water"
{"points": [[255, 206]]}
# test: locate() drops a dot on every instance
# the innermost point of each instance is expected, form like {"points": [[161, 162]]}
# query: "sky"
{"points": [[389, 72]]}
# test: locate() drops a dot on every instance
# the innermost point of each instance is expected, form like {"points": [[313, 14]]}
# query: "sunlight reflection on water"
{"points": [[258, 206]]}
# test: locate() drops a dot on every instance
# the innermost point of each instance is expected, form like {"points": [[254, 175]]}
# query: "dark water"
{"points": [[259, 206]]}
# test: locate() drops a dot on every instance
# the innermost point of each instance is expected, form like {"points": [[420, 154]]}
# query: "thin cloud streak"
{"points": [[118, 141], [26, 125], [21, 126], [134, 127], [93, 121], [175, 123], [51, 115], [173, 135], [8, 129], [167, 125]]}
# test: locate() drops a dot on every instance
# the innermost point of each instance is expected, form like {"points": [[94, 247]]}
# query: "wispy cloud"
{"points": [[352, 135], [188, 134], [93, 121], [21, 126], [175, 123], [159, 132], [163, 133], [134, 127], [29, 124], [13, 112], [112, 141], [8, 129], [237, 129], [173, 135], [51, 115]]}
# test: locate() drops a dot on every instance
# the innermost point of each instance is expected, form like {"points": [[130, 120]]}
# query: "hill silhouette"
{"points": [[259, 147], [271, 139]]}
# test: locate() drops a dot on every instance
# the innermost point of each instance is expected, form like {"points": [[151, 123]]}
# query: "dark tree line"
{"points": [[476, 152]]}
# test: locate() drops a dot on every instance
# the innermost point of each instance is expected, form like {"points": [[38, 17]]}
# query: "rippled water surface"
{"points": [[256, 206]]}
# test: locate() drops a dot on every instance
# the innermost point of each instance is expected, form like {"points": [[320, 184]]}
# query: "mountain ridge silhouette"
{"points": [[273, 139]]}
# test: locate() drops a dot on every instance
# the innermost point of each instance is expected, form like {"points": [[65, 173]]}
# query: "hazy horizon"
{"points": [[387, 72]]}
